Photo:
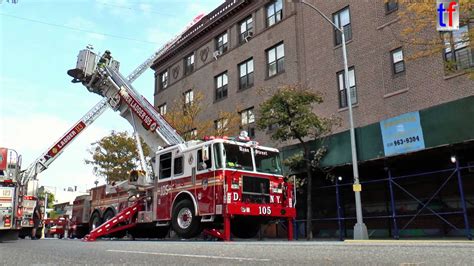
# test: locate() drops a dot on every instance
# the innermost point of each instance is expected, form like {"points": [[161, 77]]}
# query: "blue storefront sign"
{"points": [[402, 134]]}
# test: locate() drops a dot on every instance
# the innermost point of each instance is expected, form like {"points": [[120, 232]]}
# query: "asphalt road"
{"points": [[62, 252]]}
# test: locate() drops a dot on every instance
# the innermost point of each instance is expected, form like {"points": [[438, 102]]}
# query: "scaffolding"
{"points": [[399, 220]]}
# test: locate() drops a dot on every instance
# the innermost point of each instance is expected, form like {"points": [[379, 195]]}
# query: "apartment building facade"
{"points": [[243, 46]]}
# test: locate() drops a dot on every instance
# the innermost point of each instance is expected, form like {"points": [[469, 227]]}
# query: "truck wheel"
{"points": [[108, 215], [95, 221], [184, 222], [80, 232], [242, 227]]}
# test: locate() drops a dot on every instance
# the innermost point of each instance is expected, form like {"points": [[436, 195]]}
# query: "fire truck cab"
{"points": [[196, 185]]}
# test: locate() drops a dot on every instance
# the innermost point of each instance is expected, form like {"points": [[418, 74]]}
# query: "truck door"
{"points": [[204, 181], [164, 186]]}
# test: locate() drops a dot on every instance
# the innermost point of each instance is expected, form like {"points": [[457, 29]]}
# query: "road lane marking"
{"points": [[392, 241], [188, 255]]}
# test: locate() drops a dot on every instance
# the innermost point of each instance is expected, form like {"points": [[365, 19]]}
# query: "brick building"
{"points": [[242, 46]]}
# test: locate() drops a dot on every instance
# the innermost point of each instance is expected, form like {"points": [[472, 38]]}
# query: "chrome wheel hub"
{"points": [[185, 217]]}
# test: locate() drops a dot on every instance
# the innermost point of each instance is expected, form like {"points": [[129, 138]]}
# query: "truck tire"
{"points": [[183, 221], [95, 221], [80, 232], [243, 227], [109, 214]]}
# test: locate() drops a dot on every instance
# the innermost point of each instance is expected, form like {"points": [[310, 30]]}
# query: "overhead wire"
{"points": [[134, 9], [77, 29]]}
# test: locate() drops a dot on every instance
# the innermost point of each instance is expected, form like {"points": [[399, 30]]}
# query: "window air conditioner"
{"points": [[248, 35], [216, 54]]}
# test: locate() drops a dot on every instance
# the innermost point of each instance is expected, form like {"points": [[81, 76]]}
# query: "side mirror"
{"points": [[205, 153]]}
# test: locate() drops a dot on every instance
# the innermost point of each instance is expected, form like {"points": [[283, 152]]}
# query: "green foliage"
{"points": [[114, 156], [41, 197], [297, 164], [53, 214], [289, 112]]}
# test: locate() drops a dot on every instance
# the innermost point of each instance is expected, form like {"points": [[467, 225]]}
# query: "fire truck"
{"points": [[10, 194], [220, 185], [26, 180]]}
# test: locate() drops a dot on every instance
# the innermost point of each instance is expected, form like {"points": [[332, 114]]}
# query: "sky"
{"points": [[40, 41]]}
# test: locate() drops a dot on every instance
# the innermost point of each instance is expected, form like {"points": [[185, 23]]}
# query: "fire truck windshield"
{"points": [[267, 162], [238, 157]]}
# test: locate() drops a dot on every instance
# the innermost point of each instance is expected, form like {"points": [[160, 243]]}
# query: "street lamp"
{"points": [[360, 230]]}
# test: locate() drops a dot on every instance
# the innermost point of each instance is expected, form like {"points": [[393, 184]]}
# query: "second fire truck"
{"points": [[220, 185]]}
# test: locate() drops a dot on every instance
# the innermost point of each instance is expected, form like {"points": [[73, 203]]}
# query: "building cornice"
{"points": [[206, 24]]}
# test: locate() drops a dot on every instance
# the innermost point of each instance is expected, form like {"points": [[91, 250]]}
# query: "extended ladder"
{"points": [[43, 161]]}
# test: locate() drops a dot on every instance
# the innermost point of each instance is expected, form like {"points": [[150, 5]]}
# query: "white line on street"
{"points": [[188, 255]]}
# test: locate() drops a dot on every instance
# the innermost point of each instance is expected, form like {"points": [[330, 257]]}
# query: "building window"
{"points": [[246, 29], [247, 117], [391, 5], [463, 56], [247, 120], [190, 134], [220, 125], [162, 109], [274, 12], [352, 88], [342, 19], [246, 74], [163, 80], [221, 86], [398, 61], [189, 64], [276, 60], [188, 98], [222, 43]]}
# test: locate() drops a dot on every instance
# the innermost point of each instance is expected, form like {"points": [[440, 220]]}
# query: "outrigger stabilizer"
{"points": [[124, 220]]}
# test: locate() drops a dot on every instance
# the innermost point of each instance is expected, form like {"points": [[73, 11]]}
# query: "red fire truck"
{"points": [[57, 227], [10, 194], [230, 184]]}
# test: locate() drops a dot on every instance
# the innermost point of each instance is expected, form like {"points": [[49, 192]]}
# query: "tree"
{"points": [[185, 115], [419, 22], [114, 156], [41, 197], [290, 113]]}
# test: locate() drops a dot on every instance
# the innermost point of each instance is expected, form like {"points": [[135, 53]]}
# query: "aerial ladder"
{"points": [[53, 152], [28, 177], [43, 161]]}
